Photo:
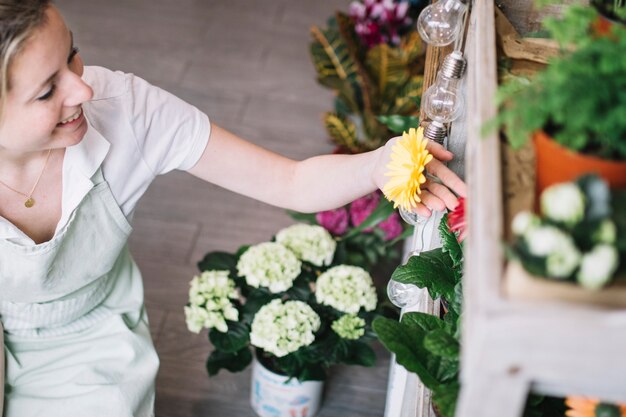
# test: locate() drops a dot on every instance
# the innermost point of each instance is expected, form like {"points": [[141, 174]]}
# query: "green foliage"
{"points": [[580, 98], [424, 344], [369, 83], [399, 124], [231, 361]]}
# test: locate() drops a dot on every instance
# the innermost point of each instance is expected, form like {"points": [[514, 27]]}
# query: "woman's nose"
{"points": [[78, 91]]}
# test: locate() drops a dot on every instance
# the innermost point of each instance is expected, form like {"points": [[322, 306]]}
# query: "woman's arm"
{"points": [[315, 184]]}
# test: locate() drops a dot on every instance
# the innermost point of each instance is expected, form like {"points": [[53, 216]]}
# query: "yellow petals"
{"points": [[409, 157]]}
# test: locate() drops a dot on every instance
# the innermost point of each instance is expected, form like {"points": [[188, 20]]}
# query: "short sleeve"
{"points": [[170, 133]]}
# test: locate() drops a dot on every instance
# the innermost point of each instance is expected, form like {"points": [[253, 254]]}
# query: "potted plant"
{"points": [[287, 301], [574, 108], [579, 239], [373, 59]]}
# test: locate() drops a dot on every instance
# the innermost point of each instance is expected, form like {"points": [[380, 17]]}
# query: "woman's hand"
{"points": [[441, 184]]}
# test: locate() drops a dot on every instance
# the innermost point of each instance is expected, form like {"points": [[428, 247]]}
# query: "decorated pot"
{"points": [[274, 395]]}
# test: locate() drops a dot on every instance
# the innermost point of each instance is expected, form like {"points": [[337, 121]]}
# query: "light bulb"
{"points": [[402, 295], [443, 102], [411, 217], [440, 23]]}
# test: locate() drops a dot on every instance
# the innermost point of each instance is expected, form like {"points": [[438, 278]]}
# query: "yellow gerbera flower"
{"points": [[408, 159], [587, 407]]}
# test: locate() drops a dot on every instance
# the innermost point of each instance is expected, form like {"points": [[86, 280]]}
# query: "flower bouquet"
{"points": [[301, 311], [579, 237], [366, 231]]}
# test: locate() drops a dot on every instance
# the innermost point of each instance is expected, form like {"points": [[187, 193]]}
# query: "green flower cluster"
{"points": [[209, 302], [281, 328], [269, 265], [347, 289], [349, 326], [310, 243]]}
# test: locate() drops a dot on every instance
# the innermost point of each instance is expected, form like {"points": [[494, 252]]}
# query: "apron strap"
{"points": [[1, 369]]}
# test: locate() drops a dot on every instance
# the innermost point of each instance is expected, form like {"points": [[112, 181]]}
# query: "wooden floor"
{"points": [[246, 64]]}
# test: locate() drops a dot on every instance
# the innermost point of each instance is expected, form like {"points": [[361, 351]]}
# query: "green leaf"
{"points": [[450, 243], [445, 398], [237, 336], [342, 131], [231, 361], [426, 322], [221, 261], [440, 343], [254, 301], [299, 291], [360, 354], [407, 345], [431, 270], [383, 210], [399, 124], [308, 218]]}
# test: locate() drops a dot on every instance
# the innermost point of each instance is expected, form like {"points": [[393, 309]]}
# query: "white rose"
{"points": [[524, 221], [563, 261], [563, 203], [544, 240], [598, 266]]}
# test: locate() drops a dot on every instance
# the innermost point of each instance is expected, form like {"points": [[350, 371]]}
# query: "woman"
{"points": [[78, 148]]}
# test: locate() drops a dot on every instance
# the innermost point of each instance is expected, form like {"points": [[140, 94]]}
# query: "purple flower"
{"points": [[335, 221], [392, 226], [380, 21], [361, 208]]}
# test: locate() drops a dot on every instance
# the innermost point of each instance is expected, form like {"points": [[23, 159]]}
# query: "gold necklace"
{"points": [[30, 201]]}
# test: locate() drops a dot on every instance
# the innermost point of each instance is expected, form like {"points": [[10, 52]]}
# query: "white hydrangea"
{"points": [[606, 233], [269, 265], [563, 203], [209, 302], [349, 326], [562, 256], [597, 267], [310, 243], [347, 289], [281, 328], [523, 222]]}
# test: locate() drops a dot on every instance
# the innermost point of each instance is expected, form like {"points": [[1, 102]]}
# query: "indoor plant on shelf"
{"points": [[289, 302], [579, 239], [574, 108]]}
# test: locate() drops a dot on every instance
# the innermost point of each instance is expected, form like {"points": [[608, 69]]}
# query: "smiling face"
{"points": [[43, 108]]}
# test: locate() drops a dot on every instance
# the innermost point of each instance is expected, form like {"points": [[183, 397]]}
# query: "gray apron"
{"points": [[76, 337]]}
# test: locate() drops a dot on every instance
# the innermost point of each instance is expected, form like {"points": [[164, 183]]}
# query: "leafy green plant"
{"points": [[579, 98], [290, 300], [369, 82], [424, 344]]}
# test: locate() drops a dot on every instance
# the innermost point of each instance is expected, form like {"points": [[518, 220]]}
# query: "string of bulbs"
{"points": [[439, 24]]}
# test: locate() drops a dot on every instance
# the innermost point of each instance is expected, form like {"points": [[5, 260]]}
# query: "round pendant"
{"points": [[29, 203]]}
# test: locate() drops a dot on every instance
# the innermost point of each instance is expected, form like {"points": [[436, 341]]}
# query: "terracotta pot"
{"points": [[556, 164]]}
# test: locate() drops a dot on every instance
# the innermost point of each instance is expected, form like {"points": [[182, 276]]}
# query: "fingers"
{"points": [[449, 178], [439, 151], [447, 198]]}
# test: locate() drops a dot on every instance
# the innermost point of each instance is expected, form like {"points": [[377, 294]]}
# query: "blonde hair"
{"points": [[18, 21]]}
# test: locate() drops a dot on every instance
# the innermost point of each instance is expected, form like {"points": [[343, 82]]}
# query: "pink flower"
{"points": [[335, 221], [361, 208], [380, 21], [456, 221], [392, 226]]}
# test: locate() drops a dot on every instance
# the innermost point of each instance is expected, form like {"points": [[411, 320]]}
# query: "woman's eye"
{"points": [[73, 53], [49, 94]]}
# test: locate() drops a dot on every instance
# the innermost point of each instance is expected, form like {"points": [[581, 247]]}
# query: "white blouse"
{"points": [[136, 132]]}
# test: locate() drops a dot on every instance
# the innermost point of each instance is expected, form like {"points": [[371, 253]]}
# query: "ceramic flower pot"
{"points": [[274, 395], [556, 164]]}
